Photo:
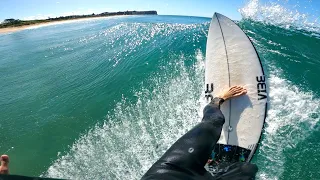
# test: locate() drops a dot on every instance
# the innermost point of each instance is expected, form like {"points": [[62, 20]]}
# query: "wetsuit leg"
{"points": [[190, 153]]}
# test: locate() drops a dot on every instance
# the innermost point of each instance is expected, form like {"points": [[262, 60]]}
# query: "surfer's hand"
{"points": [[4, 168], [233, 92]]}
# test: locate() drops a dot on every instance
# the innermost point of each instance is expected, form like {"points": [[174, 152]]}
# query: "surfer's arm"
{"points": [[217, 101], [188, 155], [212, 111]]}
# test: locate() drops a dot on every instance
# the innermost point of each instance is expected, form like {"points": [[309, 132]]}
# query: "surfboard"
{"points": [[231, 59]]}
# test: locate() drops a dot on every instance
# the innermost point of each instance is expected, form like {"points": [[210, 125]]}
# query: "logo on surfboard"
{"points": [[261, 87], [208, 92]]}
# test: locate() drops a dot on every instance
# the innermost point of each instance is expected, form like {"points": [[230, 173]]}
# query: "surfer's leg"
{"points": [[4, 168], [190, 153]]}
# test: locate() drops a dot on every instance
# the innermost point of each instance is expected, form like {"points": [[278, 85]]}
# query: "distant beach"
{"points": [[18, 25], [14, 29]]}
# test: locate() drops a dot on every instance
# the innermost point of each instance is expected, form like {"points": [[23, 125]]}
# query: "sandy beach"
{"points": [[15, 29]]}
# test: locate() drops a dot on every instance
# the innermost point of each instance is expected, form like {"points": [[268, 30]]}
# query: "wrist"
{"points": [[217, 101]]}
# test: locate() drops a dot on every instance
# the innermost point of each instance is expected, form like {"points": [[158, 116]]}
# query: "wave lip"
{"points": [[276, 14]]}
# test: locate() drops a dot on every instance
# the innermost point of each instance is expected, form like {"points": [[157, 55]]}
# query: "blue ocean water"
{"points": [[104, 98]]}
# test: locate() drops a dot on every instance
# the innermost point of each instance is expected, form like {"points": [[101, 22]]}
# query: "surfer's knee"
{"points": [[4, 168], [249, 169]]}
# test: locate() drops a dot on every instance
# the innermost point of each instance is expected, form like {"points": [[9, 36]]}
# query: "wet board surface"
{"points": [[231, 59]]}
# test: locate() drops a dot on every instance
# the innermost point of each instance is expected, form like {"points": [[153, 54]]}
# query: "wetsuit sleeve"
{"points": [[187, 157]]}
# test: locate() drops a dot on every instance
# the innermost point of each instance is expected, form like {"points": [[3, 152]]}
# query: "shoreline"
{"points": [[20, 28]]}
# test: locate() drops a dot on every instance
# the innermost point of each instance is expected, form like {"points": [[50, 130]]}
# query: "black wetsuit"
{"points": [[186, 158]]}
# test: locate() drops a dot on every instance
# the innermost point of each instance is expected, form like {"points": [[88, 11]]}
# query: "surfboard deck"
{"points": [[231, 59]]}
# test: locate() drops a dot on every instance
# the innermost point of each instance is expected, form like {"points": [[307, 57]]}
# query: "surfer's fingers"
{"points": [[4, 164], [240, 93], [237, 88], [4, 159], [233, 89]]}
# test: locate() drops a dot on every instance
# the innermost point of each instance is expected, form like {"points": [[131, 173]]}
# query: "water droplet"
{"points": [[314, 115], [190, 150]]}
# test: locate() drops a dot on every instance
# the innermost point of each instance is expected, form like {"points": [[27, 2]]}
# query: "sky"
{"points": [[42, 9]]}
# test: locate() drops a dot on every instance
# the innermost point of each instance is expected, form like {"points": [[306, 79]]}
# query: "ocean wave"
{"points": [[135, 135], [290, 121], [276, 14]]}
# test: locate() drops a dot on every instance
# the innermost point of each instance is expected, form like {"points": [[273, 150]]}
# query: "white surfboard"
{"points": [[231, 59]]}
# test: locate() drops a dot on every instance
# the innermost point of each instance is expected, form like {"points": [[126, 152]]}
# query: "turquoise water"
{"points": [[104, 99]]}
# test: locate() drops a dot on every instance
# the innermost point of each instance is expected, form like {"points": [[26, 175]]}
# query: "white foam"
{"points": [[275, 13], [290, 113], [135, 135]]}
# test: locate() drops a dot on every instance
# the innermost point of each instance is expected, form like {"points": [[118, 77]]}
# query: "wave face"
{"points": [[104, 99]]}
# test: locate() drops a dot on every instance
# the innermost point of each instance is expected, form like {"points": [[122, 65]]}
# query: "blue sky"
{"points": [[41, 9], [30, 9]]}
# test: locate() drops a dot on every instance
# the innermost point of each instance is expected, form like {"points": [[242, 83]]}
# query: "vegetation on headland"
{"points": [[16, 22]]}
